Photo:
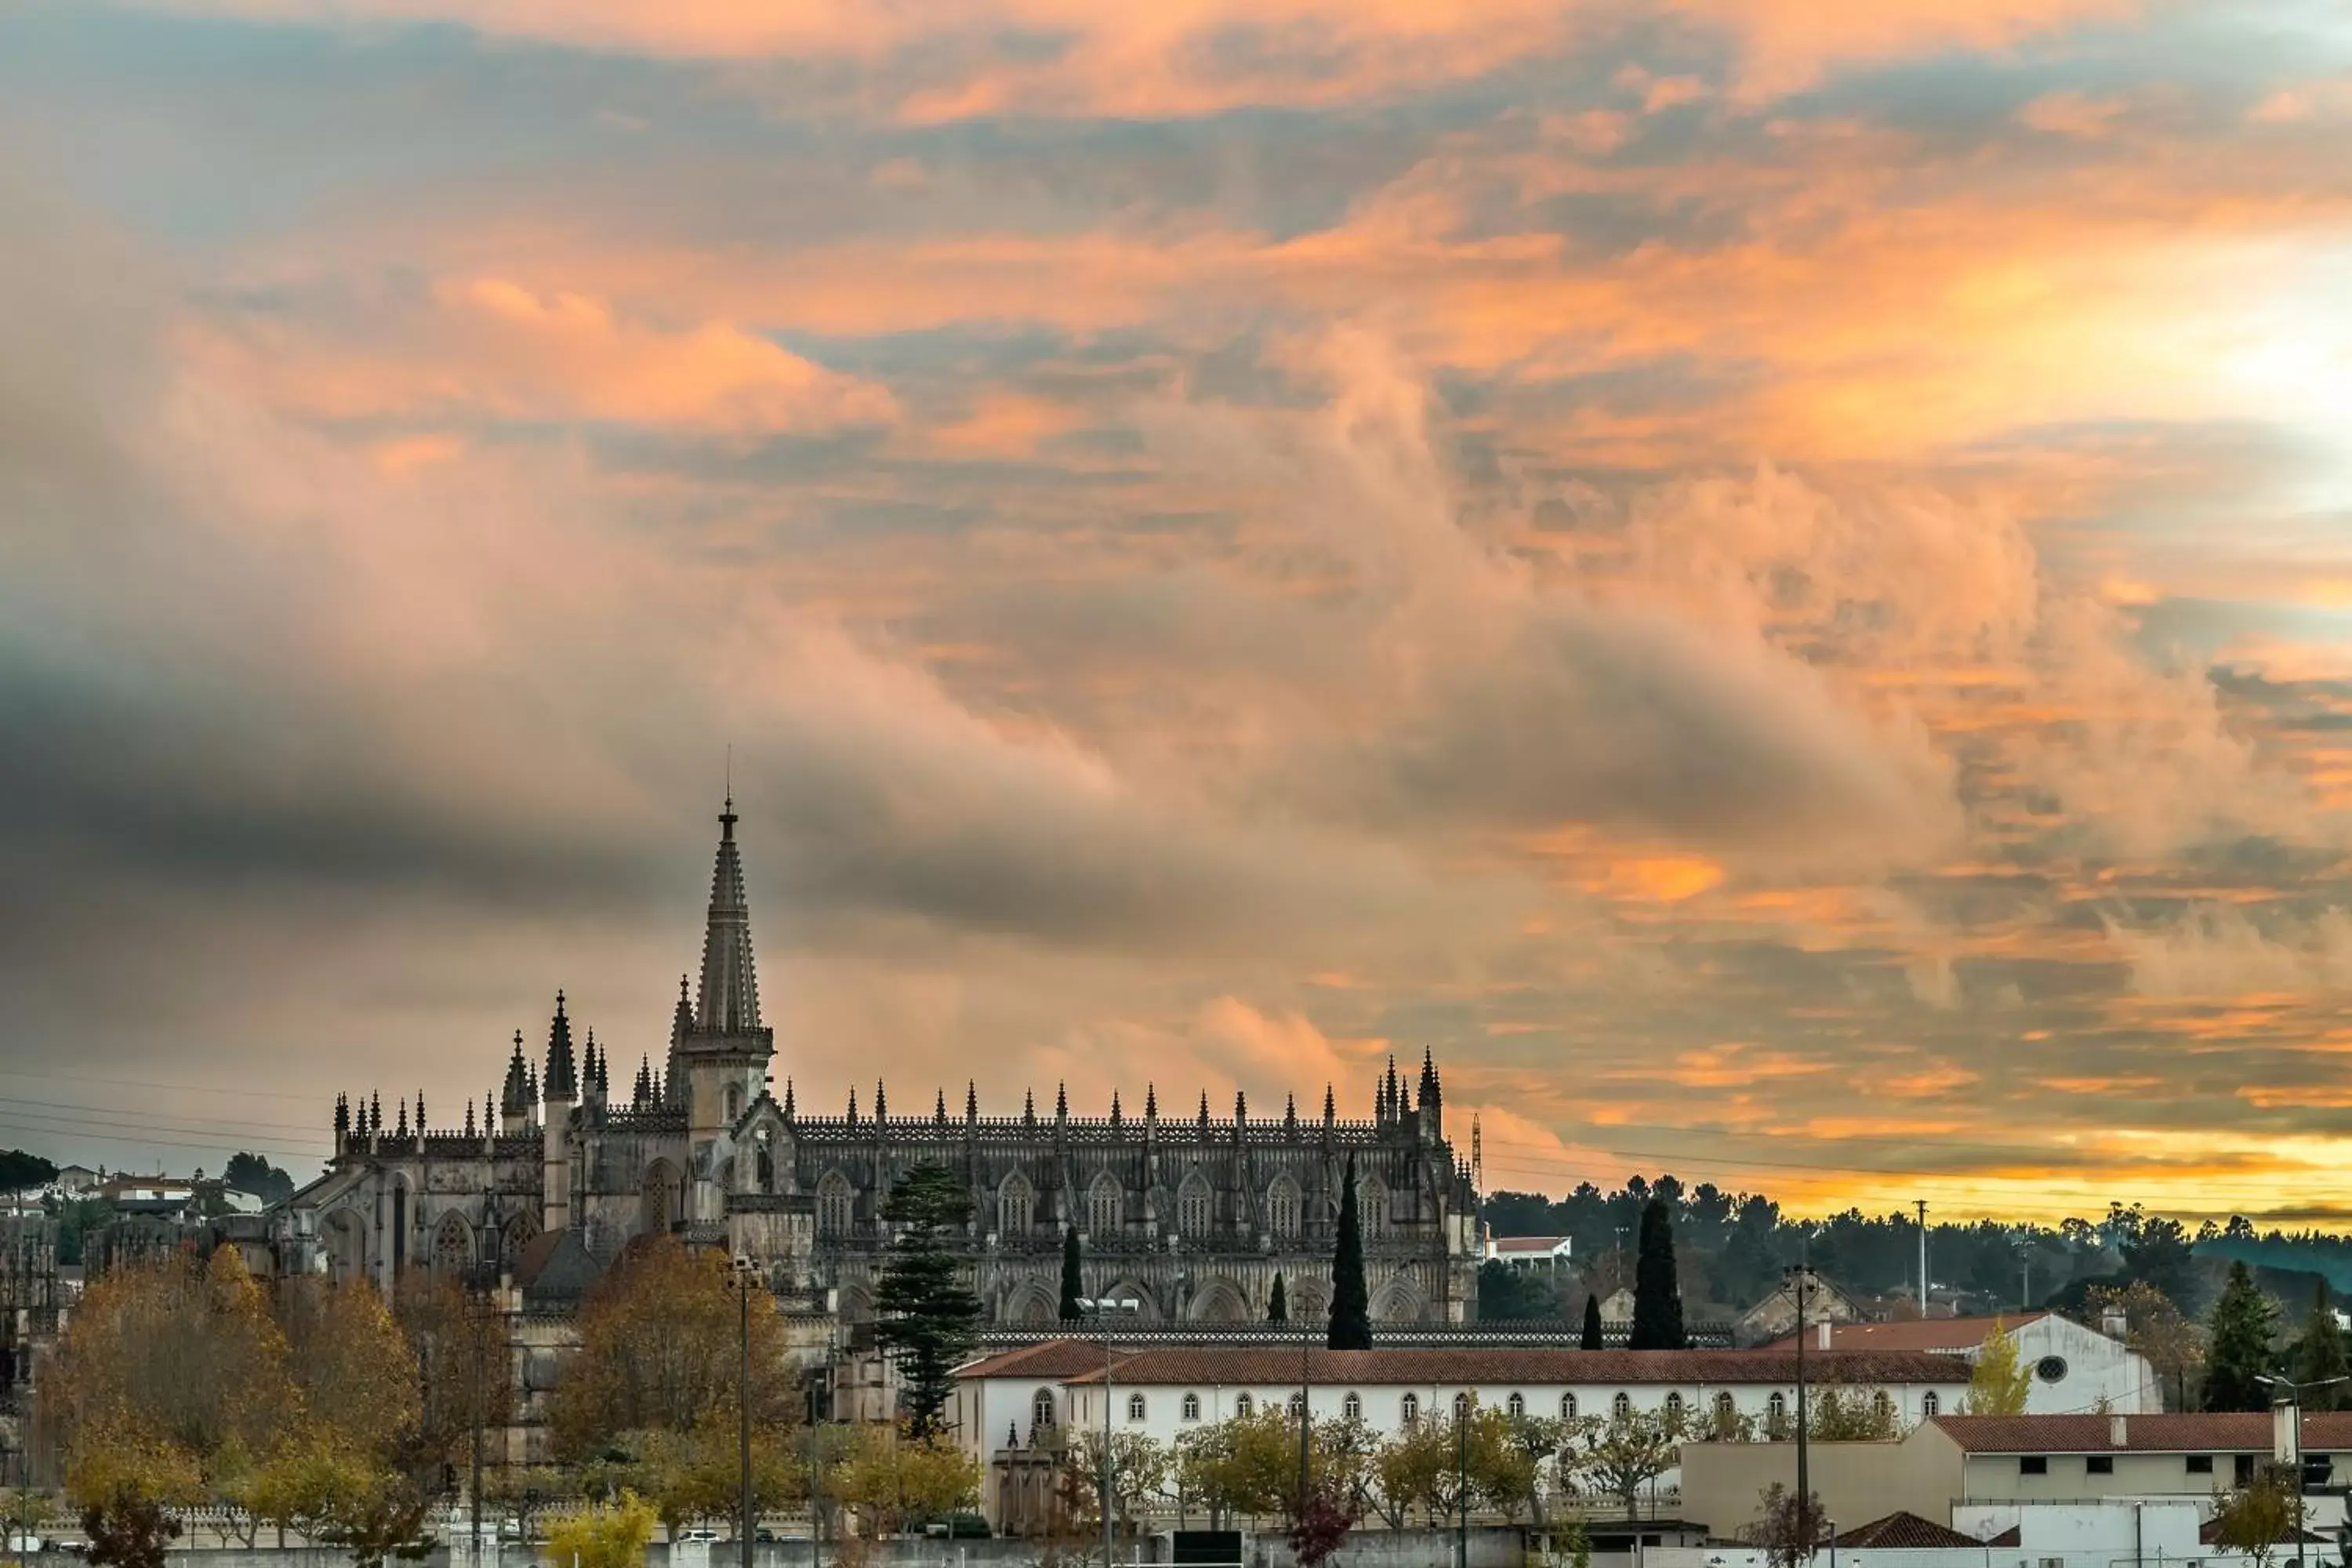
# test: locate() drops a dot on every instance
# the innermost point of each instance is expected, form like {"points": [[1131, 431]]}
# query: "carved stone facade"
{"points": [[1192, 1216]]}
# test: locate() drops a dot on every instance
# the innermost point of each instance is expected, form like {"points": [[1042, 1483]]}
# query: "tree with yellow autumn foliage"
{"points": [[601, 1535], [659, 1351]]}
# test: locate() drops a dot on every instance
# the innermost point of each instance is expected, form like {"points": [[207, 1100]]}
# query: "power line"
{"points": [[241, 1092]]}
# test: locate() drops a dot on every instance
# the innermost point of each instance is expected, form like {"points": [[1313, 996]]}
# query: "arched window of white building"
{"points": [[1567, 1406], [1041, 1408], [1622, 1406], [1353, 1407], [1462, 1407], [835, 1202], [1191, 1407], [1135, 1407], [1245, 1407], [1675, 1411], [1296, 1400], [1517, 1405], [1409, 1409], [1775, 1413], [1930, 1405]]}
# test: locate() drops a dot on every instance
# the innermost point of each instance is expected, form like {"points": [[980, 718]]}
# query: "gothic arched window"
{"points": [[1461, 1405], [1194, 1206], [835, 1202], [1103, 1201], [1882, 1407], [1282, 1207], [453, 1245], [1567, 1406], [1930, 1405], [1775, 1413], [1675, 1411], [1517, 1405], [767, 1163], [1373, 1208], [1622, 1406], [1016, 1203], [1191, 1407], [1409, 1409], [734, 1102], [1135, 1407], [1352, 1406], [1041, 1408], [1245, 1407]]}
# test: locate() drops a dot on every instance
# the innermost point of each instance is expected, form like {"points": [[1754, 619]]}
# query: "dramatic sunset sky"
{"points": [[1773, 581]]}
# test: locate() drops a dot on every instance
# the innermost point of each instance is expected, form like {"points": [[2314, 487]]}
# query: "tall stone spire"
{"points": [[730, 1002], [562, 1080], [515, 1099]]}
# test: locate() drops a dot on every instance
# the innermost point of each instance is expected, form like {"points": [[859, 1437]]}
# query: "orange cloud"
{"points": [[486, 347]]}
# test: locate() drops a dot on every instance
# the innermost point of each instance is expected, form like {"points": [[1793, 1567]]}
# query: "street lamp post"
{"points": [[1103, 1309], [1798, 1277], [2290, 1393], [747, 1276]]}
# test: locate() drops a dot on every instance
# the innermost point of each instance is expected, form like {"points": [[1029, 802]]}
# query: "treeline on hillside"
{"points": [[1734, 1249]]}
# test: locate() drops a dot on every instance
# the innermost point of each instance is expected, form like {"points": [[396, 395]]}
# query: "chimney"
{"points": [[1821, 1335], [2119, 1433], [2114, 1324]]}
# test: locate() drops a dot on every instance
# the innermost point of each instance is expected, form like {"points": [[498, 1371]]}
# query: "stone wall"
{"points": [[1491, 1546]]}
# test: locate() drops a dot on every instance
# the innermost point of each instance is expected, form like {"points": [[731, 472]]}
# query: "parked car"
{"points": [[697, 1537]]}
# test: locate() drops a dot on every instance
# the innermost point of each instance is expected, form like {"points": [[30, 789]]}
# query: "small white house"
{"points": [[2076, 1371], [1546, 1254]]}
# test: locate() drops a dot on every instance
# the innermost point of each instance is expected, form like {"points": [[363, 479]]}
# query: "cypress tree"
{"points": [[2320, 1354], [1277, 1303], [1592, 1341], [1351, 1302], [1072, 1286], [2243, 1320], [1657, 1297]]}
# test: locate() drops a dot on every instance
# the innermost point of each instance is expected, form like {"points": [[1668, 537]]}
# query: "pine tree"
{"points": [[2243, 1320], [927, 1318], [1351, 1302], [1657, 1299], [1277, 1303], [1073, 1287], [1592, 1341], [2320, 1356]]}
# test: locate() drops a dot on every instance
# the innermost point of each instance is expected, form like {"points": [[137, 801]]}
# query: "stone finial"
{"points": [[1151, 1103], [881, 1104], [1330, 1106], [1114, 1107], [788, 1099], [940, 1108], [971, 1099], [1061, 1102]]}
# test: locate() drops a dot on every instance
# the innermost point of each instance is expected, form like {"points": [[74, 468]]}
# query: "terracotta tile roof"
{"points": [[1050, 1359], [1278, 1365], [1905, 1530], [2210, 1534], [1949, 1336], [2206, 1432], [2013, 1536]]}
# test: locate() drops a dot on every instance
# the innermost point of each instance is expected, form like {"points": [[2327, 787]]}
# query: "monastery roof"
{"points": [[1949, 1336], [1905, 1530], [1055, 1359], [2192, 1432], [1419, 1365]]}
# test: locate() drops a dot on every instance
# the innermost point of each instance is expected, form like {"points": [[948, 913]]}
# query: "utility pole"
{"points": [[1306, 1414], [1103, 1308], [1798, 1281], [746, 1275], [1462, 1478], [1923, 1257]]}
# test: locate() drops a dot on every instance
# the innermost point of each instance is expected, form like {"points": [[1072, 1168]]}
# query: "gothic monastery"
{"points": [[1191, 1215]]}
